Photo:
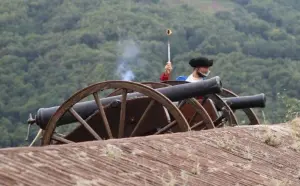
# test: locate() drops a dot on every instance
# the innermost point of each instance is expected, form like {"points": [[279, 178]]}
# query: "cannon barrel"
{"points": [[242, 102], [174, 93]]}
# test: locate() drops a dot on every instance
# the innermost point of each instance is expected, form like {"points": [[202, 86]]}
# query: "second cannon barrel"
{"points": [[242, 102]]}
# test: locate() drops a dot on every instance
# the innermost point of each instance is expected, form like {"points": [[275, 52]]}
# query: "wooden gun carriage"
{"points": [[122, 109]]}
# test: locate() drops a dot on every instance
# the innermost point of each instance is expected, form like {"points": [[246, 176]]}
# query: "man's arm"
{"points": [[165, 76]]}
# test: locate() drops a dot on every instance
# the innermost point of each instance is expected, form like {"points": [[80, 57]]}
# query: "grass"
{"points": [[169, 181], [227, 143], [272, 139], [112, 151], [295, 128], [277, 182], [196, 169]]}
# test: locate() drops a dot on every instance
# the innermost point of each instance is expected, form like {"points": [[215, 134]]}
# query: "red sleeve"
{"points": [[164, 77]]}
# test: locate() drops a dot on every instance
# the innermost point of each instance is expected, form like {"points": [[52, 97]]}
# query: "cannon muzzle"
{"points": [[242, 102], [174, 93]]}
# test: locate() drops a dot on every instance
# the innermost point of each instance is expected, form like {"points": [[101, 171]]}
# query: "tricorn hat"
{"points": [[201, 62]]}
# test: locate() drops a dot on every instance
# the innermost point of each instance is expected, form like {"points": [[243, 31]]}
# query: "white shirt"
{"points": [[192, 79]]}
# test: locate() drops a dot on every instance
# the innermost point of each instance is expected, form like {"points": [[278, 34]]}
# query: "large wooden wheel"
{"points": [[125, 117], [196, 115]]}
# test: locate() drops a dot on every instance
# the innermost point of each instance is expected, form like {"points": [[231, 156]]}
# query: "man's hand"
{"points": [[168, 67]]}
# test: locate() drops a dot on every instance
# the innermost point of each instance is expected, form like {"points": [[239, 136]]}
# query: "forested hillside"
{"points": [[50, 49]]}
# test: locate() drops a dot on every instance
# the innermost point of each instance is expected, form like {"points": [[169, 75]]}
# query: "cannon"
{"points": [[127, 109], [175, 93], [216, 101]]}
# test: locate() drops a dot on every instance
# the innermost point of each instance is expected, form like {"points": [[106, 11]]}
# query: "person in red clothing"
{"points": [[200, 71], [200, 67], [165, 76]]}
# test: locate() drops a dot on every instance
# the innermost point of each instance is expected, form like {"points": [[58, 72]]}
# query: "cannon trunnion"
{"points": [[140, 109]]}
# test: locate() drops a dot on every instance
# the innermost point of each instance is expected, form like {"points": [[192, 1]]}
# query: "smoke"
{"points": [[129, 53]]}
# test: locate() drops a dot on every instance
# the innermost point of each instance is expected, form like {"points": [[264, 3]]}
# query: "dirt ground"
{"points": [[248, 155]]}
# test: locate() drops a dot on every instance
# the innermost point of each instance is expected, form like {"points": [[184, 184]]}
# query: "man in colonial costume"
{"points": [[200, 67], [200, 71]]}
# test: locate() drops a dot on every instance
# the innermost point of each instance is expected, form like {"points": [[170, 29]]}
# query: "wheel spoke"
{"points": [[209, 125], [122, 113], [60, 139], [197, 125], [60, 135], [167, 127], [142, 118], [181, 103], [84, 123], [192, 118], [103, 115], [218, 121]]}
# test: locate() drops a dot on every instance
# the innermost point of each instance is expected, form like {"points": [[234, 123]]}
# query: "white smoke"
{"points": [[130, 51]]}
